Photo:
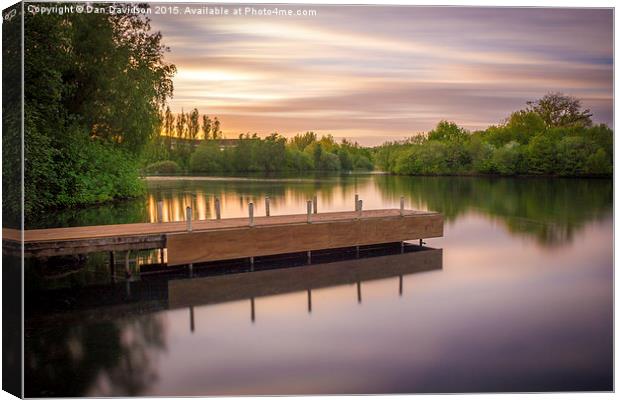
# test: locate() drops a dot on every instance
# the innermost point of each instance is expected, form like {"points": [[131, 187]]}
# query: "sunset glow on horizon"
{"points": [[378, 73]]}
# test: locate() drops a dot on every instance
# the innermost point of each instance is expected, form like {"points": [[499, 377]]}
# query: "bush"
{"points": [[206, 158], [508, 159], [162, 167]]}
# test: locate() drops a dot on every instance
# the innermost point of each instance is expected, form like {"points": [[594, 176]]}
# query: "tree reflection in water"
{"points": [[120, 356], [550, 210]]}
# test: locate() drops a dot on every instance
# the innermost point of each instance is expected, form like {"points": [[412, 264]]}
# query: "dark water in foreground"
{"points": [[516, 297]]}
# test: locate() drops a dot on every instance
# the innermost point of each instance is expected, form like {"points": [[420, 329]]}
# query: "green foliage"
{"points": [[552, 137], [561, 111], [274, 153], [94, 87], [162, 168], [206, 158]]}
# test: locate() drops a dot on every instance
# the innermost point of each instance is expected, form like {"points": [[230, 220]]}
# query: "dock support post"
{"points": [[357, 252], [360, 204], [218, 214], [315, 204], [188, 217], [191, 319], [357, 198], [402, 206], [251, 213], [402, 247], [251, 263], [309, 210], [309, 257], [127, 269], [191, 270], [160, 211], [267, 211], [252, 312], [309, 301], [421, 242], [161, 256], [359, 292], [400, 285]]}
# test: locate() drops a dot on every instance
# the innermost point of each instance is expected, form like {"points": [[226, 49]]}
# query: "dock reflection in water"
{"points": [[114, 338]]}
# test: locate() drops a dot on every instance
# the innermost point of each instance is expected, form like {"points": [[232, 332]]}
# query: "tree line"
{"points": [[551, 136], [274, 153], [172, 147]]}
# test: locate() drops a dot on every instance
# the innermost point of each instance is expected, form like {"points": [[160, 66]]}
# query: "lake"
{"points": [[517, 296]]}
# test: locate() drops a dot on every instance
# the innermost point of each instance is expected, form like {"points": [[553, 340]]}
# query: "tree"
{"points": [[216, 129], [559, 110], [168, 128], [95, 84], [206, 127], [181, 125], [303, 141], [448, 132], [193, 124]]}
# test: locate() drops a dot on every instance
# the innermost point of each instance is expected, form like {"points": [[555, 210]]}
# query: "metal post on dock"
{"points": [[160, 211], [360, 204], [309, 209], [191, 319], [421, 242], [218, 214], [402, 205], [309, 301], [251, 213], [357, 198], [359, 292], [188, 217], [267, 211], [315, 204], [400, 285]]}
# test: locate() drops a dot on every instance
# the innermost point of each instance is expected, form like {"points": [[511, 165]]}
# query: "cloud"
{"points": [[386, 72]]}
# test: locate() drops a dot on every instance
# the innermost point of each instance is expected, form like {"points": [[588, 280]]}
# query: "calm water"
{"points": [[516, 297]]}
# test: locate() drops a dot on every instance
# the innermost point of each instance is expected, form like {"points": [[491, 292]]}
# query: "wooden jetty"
{"points": [[189, 242]]}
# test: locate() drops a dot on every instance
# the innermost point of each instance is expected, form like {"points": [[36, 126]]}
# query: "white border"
{"points": [[483, 3]]}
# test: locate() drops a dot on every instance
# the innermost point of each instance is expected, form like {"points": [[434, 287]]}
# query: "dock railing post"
{"points": [[188, 217], [309, 208], [359, 208], [402, 205], [315, 204], [160, 211], [357, 198], [251, 212], [218, 212], [267, 211]]}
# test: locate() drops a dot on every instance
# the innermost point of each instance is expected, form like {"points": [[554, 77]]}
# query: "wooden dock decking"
{"points": [[220, 239]]}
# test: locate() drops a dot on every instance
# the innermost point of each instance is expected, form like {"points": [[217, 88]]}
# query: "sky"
{"points": [[379, 73]]}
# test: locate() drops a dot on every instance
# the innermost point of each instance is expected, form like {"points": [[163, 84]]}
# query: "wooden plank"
{"points": [[262, 240], [225, 288]]}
